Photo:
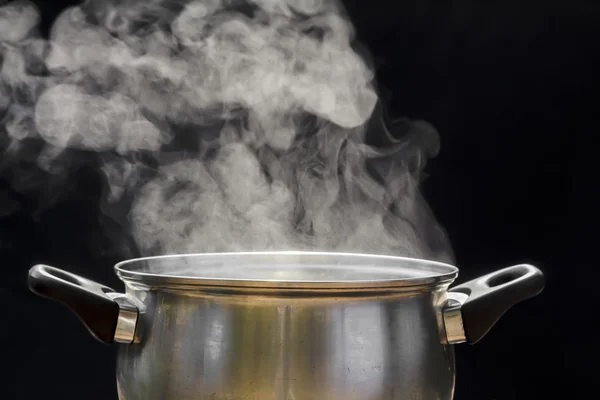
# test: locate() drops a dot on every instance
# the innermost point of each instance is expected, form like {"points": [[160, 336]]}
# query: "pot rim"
{"points": [[385, 271]]}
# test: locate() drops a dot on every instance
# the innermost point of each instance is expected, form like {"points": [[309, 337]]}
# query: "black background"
{"points": [[512, 88]]}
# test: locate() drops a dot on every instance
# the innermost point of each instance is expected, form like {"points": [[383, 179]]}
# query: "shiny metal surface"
{"points": [[453, 320], [274, 326], [267, 345], [126, 320]]}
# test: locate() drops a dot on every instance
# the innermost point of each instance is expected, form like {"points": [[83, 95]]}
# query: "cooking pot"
{"points": [[287, 325]]}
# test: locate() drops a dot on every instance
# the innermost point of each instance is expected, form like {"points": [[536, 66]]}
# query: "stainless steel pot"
{"points": [[287, 325]]}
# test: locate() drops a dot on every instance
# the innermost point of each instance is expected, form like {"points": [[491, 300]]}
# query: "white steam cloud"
{"points": [[232, 125]]}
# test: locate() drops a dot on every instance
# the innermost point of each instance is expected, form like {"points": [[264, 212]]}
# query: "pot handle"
{"points": [[475, 306], [108, 315]]}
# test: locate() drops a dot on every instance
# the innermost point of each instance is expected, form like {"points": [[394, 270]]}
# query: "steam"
{"points": [[230, 125]]}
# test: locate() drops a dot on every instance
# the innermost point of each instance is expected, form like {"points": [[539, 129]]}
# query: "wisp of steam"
{"points": [[226, 125]]}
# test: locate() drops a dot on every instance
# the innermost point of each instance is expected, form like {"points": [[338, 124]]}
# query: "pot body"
{"points": [[270, 345]]}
